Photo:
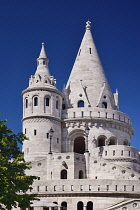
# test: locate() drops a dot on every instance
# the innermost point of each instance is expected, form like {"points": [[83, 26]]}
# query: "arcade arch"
{"points": [[112, 141], [101, 141], [79, 145], [76, 140]]}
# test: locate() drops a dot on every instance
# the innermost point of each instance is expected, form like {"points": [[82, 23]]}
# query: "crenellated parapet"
{"points": [[37, 79]]}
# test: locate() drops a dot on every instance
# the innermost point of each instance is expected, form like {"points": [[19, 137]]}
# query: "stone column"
{"points": [[94, 141], [52, 104], [87, 164], [66, 145], [49, 158]]}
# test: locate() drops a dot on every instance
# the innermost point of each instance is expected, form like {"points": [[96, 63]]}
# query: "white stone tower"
{"points": [[89, 101], [42, 104], [88, 163]]}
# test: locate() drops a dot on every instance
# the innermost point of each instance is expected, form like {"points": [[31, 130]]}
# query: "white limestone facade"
{"points": [[88, 163]]}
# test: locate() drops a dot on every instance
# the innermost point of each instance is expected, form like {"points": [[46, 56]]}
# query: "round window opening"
{"points": [[135, 205], [124, 208]]}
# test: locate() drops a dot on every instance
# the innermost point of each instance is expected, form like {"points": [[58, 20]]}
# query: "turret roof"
{"points": [[87, 74], [42, 68], [42, 77], [42, 52]]}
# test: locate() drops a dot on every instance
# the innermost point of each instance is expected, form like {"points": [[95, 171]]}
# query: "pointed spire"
{"points": [[42, 61], [42, 77], [42, 52], [88, 68]]}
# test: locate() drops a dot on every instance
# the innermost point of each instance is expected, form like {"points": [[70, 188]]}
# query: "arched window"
{"points": [[80, 103], [101, 141], [35, 101], [81, 174], [80, 205], [79, 145], [63, 106], [112, 141], [26, 103], [43, 62], [64, 205], [64, 174], [125, 142], [104, 105], [56, 104], [55, 208], [47, 101], [89, 205]]}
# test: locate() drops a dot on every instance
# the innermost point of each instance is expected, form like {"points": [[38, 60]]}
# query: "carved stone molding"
{"points": [[115, 125], [41, 119], [123, 160]]}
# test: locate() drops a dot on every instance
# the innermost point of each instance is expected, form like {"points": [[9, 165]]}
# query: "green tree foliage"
{"points": [[14, 183]]}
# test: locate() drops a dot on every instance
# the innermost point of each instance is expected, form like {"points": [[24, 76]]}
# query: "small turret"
{"points": [[42, 67], [42, 104], [42, 75]]}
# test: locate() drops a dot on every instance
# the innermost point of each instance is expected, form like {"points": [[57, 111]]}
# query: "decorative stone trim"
{"points": [[99, 123], [42, 119], [123, 160], [53, 89]]}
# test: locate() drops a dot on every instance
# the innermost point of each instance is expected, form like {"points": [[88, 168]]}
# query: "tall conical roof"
{"points": [[87, 77]]}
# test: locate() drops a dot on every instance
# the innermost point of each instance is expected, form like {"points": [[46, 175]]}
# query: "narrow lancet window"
{"points": [[56, 104], [47, 101], [90, 50], [26, 103], [35, 132], [35, 101], [81, 174]]}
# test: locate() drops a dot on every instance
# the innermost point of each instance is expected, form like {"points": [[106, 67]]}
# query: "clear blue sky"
{"points": [[25, 24]]}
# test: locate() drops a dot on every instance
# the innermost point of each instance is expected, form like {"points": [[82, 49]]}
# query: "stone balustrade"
{"points": [[117, 151], [83, 186], [96, 113]]}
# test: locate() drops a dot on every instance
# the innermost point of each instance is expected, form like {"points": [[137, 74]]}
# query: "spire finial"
{"points": [[42, 52], [88, 26]]}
